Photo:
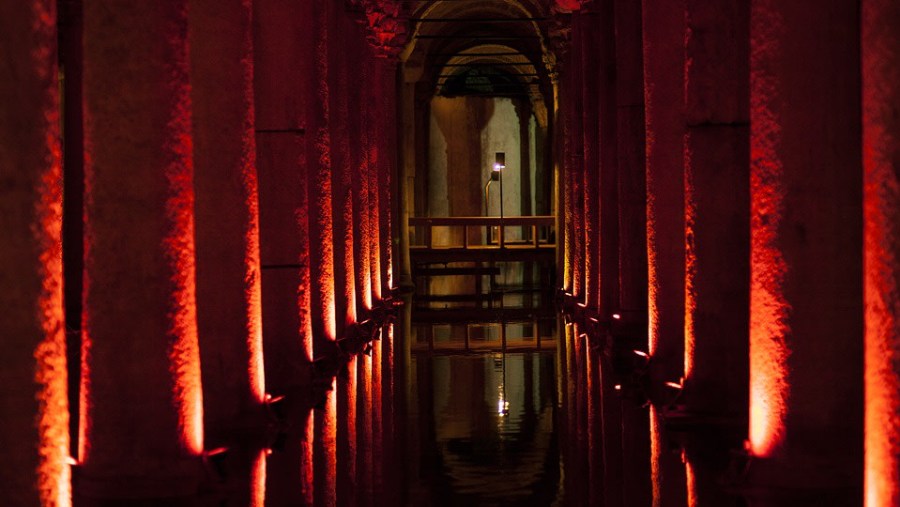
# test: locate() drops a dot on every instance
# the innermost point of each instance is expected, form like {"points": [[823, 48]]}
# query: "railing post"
{"points": [[465, 237], [534, 236], [428, 240]]}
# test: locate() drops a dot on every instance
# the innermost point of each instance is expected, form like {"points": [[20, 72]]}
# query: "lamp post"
{"points": [[497, 173]]}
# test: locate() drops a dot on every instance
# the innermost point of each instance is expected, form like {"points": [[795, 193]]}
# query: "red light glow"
{"points": [[769, 309], [52, 420], [881, 150], [258, 480]]}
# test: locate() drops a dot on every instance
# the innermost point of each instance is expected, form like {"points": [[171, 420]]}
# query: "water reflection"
{"points": [[505, 407]]}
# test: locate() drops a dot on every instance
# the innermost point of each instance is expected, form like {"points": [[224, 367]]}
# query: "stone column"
{"points": [[284, 82], [229, 313], [881, 160], [142, 407], [591, 42], [630, 156], [372, 103], [388, 169], [663, 32], [716, 208], [343, 166], [71, 60], [608, 251], [34, 431], [575, 160], [806, 312], [321, 232], [358, 126]]}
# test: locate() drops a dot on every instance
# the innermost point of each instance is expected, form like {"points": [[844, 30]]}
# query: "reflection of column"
{"points": [[229, 320], [324, 450], [347, 476], [663, 33], [289, 471], [142, 408], [881, 146], [34, 427], [364, 428], [806, 286], [716, 208], [667, 473]]}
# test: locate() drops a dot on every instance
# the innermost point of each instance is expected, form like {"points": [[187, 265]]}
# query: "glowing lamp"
{"points": [[499, 161], [617, 316]]}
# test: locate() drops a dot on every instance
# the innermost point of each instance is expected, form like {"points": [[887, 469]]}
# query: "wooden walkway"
{"points": [[535, 241]]}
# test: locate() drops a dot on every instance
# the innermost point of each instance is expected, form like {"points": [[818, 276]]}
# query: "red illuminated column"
{"points": [[590, 121], [347, 477], [142, 413], [357, 124], [564, 177], [806, 313], [284, 82], [575, 161], [34, 430], [631, 211], [372, 101], [663, 33], [387, 168], [881, 152], [343, 165], [364, 429], [716, 208], [229, 320], [608, 212], [321, 236]]}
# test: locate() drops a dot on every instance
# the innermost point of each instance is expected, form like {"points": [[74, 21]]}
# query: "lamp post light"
{"points": [[497, 174]]}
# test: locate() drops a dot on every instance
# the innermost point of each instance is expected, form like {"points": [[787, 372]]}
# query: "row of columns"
{"points": [[237, 161], [765, 286]]}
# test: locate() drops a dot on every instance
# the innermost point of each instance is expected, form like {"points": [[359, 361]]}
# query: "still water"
{"points": [[473, 407], [484, 413]]}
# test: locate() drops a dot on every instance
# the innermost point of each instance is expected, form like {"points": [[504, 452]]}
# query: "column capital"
{"points": [[387, 24]]}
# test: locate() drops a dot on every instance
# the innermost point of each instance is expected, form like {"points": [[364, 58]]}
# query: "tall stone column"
{"points": [[372, 102], [340, 63], [142, 407], [321, 231], [806, 312], [716, 208], [34, 431], [630, 156], [388, 169], [608, 251], [285, 87], [663, 33], [358, 126], [881, 161], [589, 101], [229, 313], [575, 160]]}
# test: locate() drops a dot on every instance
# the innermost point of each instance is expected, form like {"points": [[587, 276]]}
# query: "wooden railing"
{"points": [[537, 231]]}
